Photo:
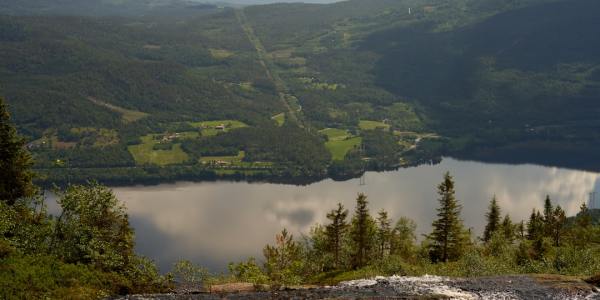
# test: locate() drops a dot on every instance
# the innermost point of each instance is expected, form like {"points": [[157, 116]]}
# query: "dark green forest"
{"points": [[313, 90]]}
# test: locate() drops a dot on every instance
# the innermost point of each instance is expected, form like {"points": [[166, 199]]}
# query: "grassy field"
{"points": [[279, 118], [235, 161], [372, 125], [334, 134], [228, 159], [145, 154], [209, 127], [339, 148]]}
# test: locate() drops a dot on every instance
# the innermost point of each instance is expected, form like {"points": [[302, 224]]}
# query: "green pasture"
{"points": [[145, 154], [339, 148]]}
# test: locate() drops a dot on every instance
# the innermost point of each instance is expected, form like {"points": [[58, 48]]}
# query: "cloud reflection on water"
{"points": [[215, 223]]}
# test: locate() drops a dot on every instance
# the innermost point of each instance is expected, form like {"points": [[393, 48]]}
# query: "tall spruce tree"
{"points": [[581, 232], [362, 233], [493, 220], [535, 226], [508, 229], [558, 224], [548, 216], [15, 162], [447, 238], [335, 232], [384, 233]]}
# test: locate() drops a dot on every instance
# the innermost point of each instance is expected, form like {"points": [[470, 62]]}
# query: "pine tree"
{"points": [[535, 226], [15, 162], [493, 220], [447, 237], [548, 216], [282, 258], [384, 233], [362, 232], [508, 229], [403, 238], [583, 219], [560, 219], [581, 232], [335, 232]]}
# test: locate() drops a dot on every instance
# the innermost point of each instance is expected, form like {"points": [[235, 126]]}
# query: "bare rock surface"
{"points": [[424, 287]]}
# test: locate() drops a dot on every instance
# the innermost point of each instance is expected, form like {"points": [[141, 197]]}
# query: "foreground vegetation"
{"points": [[85, 252], [359, 246]]}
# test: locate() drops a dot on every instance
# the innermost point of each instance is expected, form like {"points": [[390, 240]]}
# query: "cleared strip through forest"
{"points": [[265, 61]]}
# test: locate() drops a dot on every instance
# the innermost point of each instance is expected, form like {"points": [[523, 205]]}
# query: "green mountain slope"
{"points": [[405, 81]]}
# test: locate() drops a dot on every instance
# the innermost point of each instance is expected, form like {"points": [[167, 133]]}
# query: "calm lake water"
{"points": [[214, 223]]}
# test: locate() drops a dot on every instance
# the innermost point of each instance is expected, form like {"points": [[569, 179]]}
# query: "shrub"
{"points": [[248, 271]]}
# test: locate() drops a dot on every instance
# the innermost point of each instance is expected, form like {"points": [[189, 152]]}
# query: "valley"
{"points": [[358, 86]]}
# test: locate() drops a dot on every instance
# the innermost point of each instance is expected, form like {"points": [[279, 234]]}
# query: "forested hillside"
{"points": [[174, 89]]}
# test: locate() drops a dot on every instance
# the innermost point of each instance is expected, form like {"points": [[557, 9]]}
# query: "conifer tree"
{"points": [[508, 229], [535, 226], [493, 220], [583, 219], [15, 162], [403, 238], [548, 216], [560, 219], [384, 232], [335, 232], [447, 238], [521, 230], [581, 232], [362, 233], [282, 259]]}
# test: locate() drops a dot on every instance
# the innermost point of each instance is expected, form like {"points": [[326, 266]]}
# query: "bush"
{"points": [[185, 271], [248, 271], [93, 228]]}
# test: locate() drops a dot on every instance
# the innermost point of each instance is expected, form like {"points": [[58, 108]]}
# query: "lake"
{"points": [[214, 223]]}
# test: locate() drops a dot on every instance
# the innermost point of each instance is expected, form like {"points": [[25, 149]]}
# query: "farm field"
{"points": [[339, 148], [226, 159], [279, 118], [145, 153], [372, 125], [208, 128], [335, 133]]}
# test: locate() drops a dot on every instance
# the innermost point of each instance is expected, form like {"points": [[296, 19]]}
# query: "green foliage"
{"points": [[335, 233], [384, 234], [185, 271], [447, 237], [93, 228], [248, 271], [493, 220], [362, 232], [404, 238], [15, 162], [283, 264]]}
